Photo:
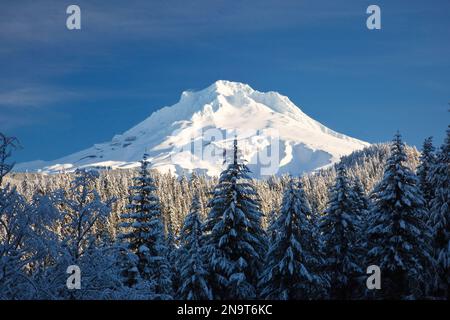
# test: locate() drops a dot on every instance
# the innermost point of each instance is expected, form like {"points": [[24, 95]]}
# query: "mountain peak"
{"points": [[238, 94], [227, 88], [192, 134]]}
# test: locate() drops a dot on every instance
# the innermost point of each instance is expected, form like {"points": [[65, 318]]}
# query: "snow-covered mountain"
{"points": [[275, 136]]}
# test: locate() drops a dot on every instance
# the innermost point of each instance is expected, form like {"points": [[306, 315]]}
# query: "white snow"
{"points": [[178, 138]]}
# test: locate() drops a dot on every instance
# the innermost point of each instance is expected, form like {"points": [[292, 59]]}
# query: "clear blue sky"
{"points": [[62, 91]]}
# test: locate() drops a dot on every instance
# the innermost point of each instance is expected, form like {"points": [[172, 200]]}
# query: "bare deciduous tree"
{"points": [[7, 144]]}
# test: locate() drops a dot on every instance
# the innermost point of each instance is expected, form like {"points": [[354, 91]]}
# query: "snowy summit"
{"points": [[275, 136]]}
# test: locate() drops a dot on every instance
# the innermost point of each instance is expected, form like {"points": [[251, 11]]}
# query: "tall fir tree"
{"points": [[194, 285], [340, 229], [144, 234], [235, 240], [440, 218], [427, 160], [398, 236], [293, 260]]}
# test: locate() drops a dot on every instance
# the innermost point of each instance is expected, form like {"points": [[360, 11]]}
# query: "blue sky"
{"points": [[62, 91]]}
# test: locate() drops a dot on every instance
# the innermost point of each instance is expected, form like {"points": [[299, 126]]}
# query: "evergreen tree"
{"points": [[271, 228], [293, 261], [173, 253], [128, 264], [360, 201], [427, 159], [197, 188], [194, 284], [144, 234], [398, 235], [235, 240], [440, 218], [170, 235], [340, 228], [361, 210]]}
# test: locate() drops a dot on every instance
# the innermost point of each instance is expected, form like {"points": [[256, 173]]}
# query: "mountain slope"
{"points": [[275, 136]]}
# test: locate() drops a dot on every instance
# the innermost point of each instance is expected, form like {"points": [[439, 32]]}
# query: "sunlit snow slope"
{"points": [[275, 136]]}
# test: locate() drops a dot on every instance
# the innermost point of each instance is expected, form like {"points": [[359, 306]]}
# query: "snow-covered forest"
{"points": [[139, 234]]}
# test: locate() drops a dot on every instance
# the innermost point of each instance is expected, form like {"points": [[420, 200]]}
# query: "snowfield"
{"points": [[196, 133]]}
